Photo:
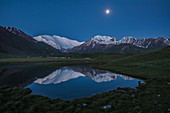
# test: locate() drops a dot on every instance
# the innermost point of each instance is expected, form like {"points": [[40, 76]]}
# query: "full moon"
{"points": [[107, 11]]}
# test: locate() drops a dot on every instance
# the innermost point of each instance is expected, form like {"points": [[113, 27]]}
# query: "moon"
{"points": [[107, 11]]}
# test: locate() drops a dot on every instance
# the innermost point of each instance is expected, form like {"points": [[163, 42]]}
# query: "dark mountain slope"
{"points": [[122, 48], [14, 41]]}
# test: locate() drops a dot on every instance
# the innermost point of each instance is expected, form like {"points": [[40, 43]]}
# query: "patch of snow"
{"points": [[167, 41], [133, 95], [84, 104], [148, 44], [93, 45]]}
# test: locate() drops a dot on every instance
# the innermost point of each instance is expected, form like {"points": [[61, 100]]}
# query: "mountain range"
{"points": [[105, 44], [14, 41], [127, 44]]}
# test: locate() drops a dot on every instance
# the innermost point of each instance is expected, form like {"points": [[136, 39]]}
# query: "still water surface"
{"points": [[79, 81]]}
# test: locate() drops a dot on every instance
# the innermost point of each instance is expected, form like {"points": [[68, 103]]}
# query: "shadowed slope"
{"points": [[17, 42]]}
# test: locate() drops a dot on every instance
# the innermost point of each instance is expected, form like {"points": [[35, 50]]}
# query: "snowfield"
{"points": [[57, 41]]}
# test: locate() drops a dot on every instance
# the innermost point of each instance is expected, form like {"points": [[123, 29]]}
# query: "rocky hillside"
{"points": [[16, 42]]}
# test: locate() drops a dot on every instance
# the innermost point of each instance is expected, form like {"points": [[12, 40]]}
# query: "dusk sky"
{"points": [[83, 19]]}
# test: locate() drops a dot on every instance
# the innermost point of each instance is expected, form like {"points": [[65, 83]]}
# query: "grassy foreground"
{"points": [[150, 97]]}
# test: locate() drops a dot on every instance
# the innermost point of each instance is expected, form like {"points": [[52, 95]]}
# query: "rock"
{"points": [[155, 102], [133, 95], [84, 104], [107, 106], [142, 82]]}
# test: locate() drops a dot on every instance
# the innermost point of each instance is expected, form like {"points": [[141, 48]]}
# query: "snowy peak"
{"points": [[48, 40], [125, 45], [98, 39], [57, 41], [143, 43], [66, 43], [127, 39]]}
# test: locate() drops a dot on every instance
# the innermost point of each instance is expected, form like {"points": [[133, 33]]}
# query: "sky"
{"points": [[83, 19]]}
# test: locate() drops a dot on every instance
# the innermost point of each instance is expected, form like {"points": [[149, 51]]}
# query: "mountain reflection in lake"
{"points": [[79, 81]]}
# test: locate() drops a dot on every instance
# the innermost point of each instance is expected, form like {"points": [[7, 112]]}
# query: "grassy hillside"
{"points": [[149, 65]]}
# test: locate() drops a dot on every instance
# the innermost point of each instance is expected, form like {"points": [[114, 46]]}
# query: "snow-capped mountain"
{"points": [[96, 44], [57, 41], [67, 73], [107, 43], [145, 43], [100, 40]]}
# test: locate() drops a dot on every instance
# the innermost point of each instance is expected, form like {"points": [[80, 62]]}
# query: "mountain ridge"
{"points": [[100, 43], [97, 43], [16, 42]]}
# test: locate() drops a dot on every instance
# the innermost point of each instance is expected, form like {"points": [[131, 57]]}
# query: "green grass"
{"points": [[71, 56], [27, 60], [151, 97], [149, 65]]}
